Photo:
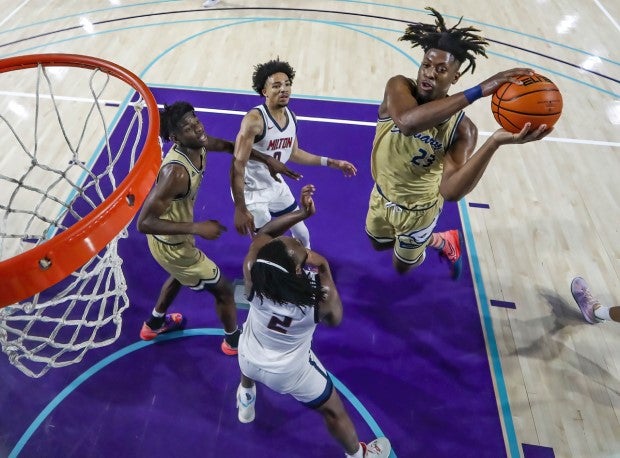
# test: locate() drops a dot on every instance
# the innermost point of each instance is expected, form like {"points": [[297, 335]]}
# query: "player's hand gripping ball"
{"points": [[538, 100]]}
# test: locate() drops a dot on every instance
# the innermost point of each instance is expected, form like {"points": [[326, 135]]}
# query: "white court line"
{"points": [[372, 124], [575, 141], [606, 13], [13, 12]]}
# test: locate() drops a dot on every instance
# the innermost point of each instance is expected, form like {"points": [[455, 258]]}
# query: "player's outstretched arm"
{"points": [[300, 156], [281, 224], [463, 170]]}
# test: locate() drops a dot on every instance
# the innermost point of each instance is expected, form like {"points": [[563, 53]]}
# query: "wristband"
{"points": [[324, 161], [472, 94]]}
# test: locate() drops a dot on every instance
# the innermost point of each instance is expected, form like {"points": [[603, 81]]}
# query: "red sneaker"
{"points": [[227, 349], [230, 343], [172, 322], [452, 251]]}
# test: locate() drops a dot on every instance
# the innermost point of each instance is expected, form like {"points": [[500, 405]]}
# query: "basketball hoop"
{"points": [[61, 284]]}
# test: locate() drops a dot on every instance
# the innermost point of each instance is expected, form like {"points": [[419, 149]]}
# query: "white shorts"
{"points": [[310, 383], [268, 203]]}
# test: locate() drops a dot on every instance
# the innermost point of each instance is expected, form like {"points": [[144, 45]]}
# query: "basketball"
{"points": [[538, 100]]}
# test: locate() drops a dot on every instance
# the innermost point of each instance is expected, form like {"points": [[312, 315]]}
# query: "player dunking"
{"points": [[167, 217], [275, 346], [423, 150], [272, 129]]}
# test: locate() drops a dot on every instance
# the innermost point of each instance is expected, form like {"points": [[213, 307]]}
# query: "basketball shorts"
{"points": [[409, 230], [189, 265], [309, 383], [267, 203]]}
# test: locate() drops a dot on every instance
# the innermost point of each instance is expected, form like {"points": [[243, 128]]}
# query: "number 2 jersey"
{"points": [[408, 168], [277, 337], [273, 141]]}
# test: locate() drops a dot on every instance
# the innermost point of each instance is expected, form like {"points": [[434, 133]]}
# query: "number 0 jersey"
{"points": [[408, 168], [274, 141]]}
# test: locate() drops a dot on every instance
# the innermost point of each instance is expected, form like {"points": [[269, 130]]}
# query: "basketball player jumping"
{"points": [[275, 346], [423, 150], [167, 217], [272, 129]]}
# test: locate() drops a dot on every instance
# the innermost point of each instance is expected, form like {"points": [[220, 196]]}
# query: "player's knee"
{"points": [[380, 246], [223, 291], [403, 267]]}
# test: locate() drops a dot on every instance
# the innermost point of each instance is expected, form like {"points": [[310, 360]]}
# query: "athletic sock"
{"points": [[437, 241], [232, 338], [157, 320], [602, 313]]}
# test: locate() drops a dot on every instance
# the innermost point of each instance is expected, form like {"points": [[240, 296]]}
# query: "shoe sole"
{"points": [[178, 327], [227, 349]]}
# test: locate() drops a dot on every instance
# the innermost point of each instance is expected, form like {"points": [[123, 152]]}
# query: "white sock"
{"points": [[247, 394], [602, 313], [358, 454], [156, 314]]}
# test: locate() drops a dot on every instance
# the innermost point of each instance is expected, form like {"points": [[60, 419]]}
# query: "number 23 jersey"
{"points": [[408, 168]]}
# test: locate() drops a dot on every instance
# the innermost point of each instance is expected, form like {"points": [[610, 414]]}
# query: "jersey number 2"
{"points": [[280, 324]]}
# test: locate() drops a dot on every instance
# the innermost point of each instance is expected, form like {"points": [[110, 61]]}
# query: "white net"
{"points": [[63, 160]]}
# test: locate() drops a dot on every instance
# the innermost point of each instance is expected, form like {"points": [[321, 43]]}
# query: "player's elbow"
{"points": [[451, 195], [143, 225]]}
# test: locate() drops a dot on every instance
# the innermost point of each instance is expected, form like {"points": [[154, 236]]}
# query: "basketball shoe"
{"points": [[208, 3], [172, 322], [379, 448], [230, 343], [451, 251], [586, 302], [245, 404]]}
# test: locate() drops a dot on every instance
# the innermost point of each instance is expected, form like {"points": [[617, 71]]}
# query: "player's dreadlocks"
{"points": [[171, 116], [264, 71], [462, 43], [283, 286]]}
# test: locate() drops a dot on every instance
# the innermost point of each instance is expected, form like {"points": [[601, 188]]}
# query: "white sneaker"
{"points": [[245, 404], [379, 448], [208, 3]]}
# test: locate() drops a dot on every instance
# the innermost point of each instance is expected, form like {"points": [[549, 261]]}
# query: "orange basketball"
{"points": [[537, 100]]}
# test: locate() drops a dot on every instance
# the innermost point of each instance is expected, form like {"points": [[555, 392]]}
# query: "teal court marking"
{"points": [[487, 323], [75, 384]]}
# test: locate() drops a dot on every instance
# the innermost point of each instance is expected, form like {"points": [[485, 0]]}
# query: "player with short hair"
{"points": [[272, 129], [423, 150], [167, 217], [287, 302]]}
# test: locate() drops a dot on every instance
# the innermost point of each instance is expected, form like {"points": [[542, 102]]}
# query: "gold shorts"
{"points": [[190, 266], [409, 230]]}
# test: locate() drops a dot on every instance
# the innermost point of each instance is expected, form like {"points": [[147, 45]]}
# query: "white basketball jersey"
{"points": [[277, 336], [274, 141]]}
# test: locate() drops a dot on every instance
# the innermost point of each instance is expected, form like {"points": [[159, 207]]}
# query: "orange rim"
{"points": [[26, 274]]}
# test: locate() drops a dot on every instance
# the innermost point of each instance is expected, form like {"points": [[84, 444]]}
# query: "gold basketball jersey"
{"points": [[182, 208], [408, 169]]}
